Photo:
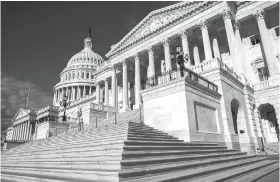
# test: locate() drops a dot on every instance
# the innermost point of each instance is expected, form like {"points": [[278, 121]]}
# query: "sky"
{"points": [[39, 38]]}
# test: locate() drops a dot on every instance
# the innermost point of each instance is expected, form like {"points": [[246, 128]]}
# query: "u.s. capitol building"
{"points": [[229, 93]]}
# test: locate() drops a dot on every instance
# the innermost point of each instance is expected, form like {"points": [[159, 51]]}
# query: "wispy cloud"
{"points": [[13, 97]]}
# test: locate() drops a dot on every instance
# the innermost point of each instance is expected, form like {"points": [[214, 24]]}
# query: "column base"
{"points": [[124, 109]]}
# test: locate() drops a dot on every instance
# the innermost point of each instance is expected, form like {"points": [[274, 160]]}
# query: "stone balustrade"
{"points": [[82, 99], [214, 63], [267, 83]]}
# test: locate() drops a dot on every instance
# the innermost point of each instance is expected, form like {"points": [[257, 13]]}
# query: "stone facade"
{"points": [[231, 44]]}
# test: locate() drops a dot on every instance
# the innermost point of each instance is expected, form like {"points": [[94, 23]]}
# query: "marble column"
{"points": [[185, 46], [216, 49], [114, 86], [227, 16], [17, 132], [196, 55], [97, 93], [54, 97], [84, 91], [21, 132], [166, 45], [90, 91], [125, 86], [27, 130], [206, 40], [14, 132], [107, 92], [79, 92], [151, 61], [138, 81], [266, 42], [36, 127], [240, 57]]}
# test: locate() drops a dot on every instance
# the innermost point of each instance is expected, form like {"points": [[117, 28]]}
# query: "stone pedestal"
{"points": [[185, 109]]}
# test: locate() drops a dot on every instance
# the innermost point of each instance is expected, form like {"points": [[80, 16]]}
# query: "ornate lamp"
{"points": [[181, 59], [64, 103]]}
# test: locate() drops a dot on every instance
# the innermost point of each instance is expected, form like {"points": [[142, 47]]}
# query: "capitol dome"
{"points": [[87, 56], [77, 79]]}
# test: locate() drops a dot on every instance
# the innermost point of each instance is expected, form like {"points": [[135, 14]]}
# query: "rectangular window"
{"points": [[255, 39]]}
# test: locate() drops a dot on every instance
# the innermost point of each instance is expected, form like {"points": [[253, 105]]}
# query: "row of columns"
{"points": [[22, 131], [75, 92]]}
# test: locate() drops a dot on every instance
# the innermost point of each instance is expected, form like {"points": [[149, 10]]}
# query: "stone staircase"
{"points": [[128, 151], [273, 148]]}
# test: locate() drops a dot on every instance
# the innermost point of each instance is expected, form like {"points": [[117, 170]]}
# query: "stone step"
{"points": [[75, 149], [156, 148], [165, 143], [235, 172], [95, 140], [81, 165], [69, 153], [88, 163], [113, 156], [90, 153], [128, 163], [176, 173], [165, 153], [257, 174], [19, 178], [63, 174]]}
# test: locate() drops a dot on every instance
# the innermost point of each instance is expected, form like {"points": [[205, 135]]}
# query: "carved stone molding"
{"points": [[259, 14], [150, 50], [237, 25], [203, 24], [136, 56], [165, 42], [227, 14], [183, 34]]}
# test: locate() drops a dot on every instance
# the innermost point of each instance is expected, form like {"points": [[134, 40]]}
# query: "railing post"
{"points": [[96, 122], [115, 118]]}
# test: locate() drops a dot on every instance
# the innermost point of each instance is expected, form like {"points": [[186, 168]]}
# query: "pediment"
{"points": [[21, 113], [157, 20]]}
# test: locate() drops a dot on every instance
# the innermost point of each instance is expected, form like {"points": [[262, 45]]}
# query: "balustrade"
{"points": [[175, 74]]}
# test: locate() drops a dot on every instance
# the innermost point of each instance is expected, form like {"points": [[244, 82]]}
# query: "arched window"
{"points": [[73, 75], [69, 76], [83, 74], [78, 75], [65, 76], [87, 75]]}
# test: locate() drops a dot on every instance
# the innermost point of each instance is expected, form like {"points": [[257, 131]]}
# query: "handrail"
{"points": [[167, 76]]}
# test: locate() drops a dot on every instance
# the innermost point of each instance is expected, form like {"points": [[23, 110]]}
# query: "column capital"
{"points": [[183, 33], [165, 42], [106, 80], [136, 56], [227, 14], [259, 14], [203, 24], [150, 50], [124, 61], [237, 25]]}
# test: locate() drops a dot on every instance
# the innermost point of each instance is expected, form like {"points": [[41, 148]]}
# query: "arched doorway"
{"points": [[234, 111], [269, 118]]}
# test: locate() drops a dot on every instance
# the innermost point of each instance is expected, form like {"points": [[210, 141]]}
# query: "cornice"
{"points": [[180, 16]]}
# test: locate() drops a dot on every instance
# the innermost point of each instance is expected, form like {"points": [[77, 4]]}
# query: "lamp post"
{"points": [[181, 59], [64, 103], [79, 114]]}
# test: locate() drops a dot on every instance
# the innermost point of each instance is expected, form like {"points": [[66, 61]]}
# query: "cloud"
{"points": [[13, 97]]}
